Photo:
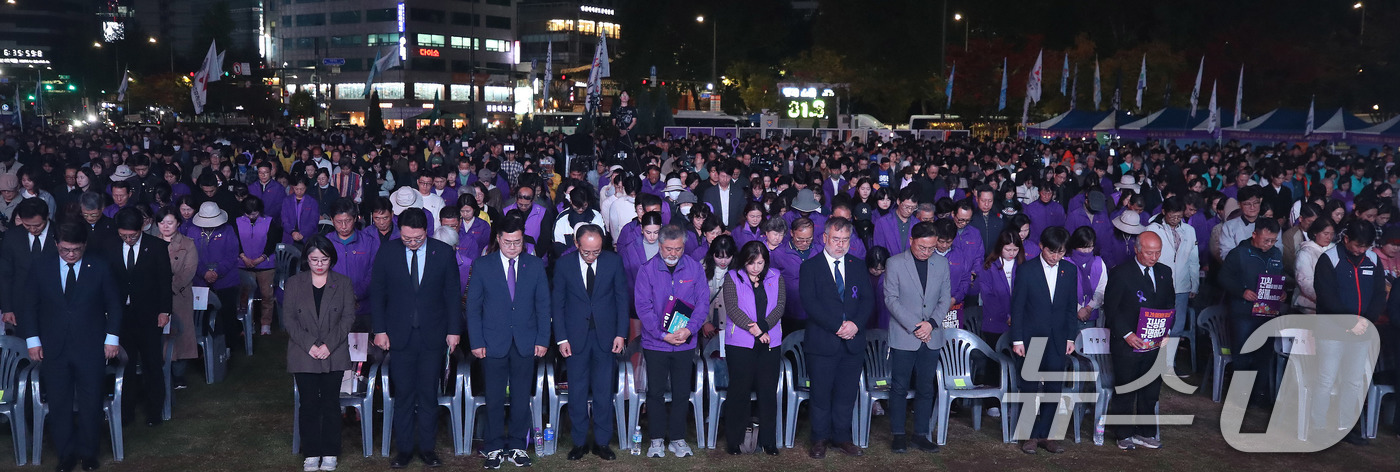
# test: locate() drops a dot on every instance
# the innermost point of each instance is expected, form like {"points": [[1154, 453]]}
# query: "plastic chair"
{"points": [[717, 386], [956, 362], [557, 389], [875, 381], [637, 391], [454, 403], [1189, 335], [247, 319], [1374, 397], [362, 402], [1103, 384], [286, 262], [169, 353], [1004, 348], [213, 347], [798, 386], [1212, 320], [15, 372], [478, 401], [111, 407], [1284, 350]]}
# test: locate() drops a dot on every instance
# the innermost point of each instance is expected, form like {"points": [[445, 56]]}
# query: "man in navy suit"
{"points": [[590, 323], [70, 320], [1043, 305], [415, 300], [508, 325], [19, 250], [837, 293]]}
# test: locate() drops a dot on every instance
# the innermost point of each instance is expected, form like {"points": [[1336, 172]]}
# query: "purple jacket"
{"points": [[818, 224], [696, 247], [629, 234], [634, 255], [472, 239], [464, 268], [829, 190], [272, 196], [1031, 249], [888, 235], [1044, 215], [303, 218], [654, 189], [448, 194], [995, 294], [1203, 226], [656, 285], [1103, 228], [533, 220], [1115, 250], [355, 259], [111, 210], [740, 337], [789, 263], [218, 250], [968, 247], [1090, 270], [742, 235], [179, 190], [881, 320], [960, 267]]}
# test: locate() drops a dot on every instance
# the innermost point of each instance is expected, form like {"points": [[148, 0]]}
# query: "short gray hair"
{"points": [[91, 201], [673, 232]]}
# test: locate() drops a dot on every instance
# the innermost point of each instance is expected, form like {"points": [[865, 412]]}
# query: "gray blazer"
{"points": [[910, 303], [306, 327]]}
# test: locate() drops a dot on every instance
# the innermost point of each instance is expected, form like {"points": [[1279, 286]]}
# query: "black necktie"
{"points": [[840, 281], [1147, 272], [413, 269], [130, 257], [37, 247], [71, 280], [590, 280]]}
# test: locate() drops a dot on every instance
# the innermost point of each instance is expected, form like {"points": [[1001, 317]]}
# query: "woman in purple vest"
{"points": [[754, 298], [1093, 275], [257, 243]]}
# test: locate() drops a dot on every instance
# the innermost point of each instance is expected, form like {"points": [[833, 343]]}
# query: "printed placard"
{"points": [[201, 297], [1152, 327], [1268, 300]]}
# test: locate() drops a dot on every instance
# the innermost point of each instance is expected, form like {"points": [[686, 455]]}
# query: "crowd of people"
{"points": [[514, 246]]}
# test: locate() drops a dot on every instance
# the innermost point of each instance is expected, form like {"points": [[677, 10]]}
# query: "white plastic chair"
{"points": [[956, 362], [453, 402], [875, 383], [717, 386], [637, 391], [362, 402], [111, 407], [558, 392], [474, 403]]}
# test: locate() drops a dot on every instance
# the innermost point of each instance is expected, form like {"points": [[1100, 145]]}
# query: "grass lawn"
{"points": [[245, 423]]}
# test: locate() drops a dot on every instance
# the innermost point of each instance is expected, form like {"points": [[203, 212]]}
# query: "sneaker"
{"points": [[328, 463], [520, 458], [994, 412], [311, 464], [876, 409], [493, 460], [1150, 443], [1126, 444], [680, 448], [657, 449], [266, 330]]}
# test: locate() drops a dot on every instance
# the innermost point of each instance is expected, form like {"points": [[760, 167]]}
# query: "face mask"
{"points": [[672, 195], [685, 210]]}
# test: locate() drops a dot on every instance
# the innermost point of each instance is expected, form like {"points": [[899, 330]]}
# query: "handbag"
{"points": [[750, 444]]}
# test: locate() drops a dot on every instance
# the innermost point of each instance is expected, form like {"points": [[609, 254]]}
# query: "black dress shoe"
{"points": [[604, 452], [430, 459], [577, 453], [401, 460], [90, 463], [924, 444], [898, 445], [770, 450], [818, 450], [67, 464], [733, 450]]}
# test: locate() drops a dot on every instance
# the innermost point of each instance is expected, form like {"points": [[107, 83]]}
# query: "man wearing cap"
{"points": [[406, 198], [1091, 213], [1126, 182], [725, 198], [217, 247], [1044, 211], [806, 206]]}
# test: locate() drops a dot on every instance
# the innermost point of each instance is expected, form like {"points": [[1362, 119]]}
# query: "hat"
{"points": [[1127, 182], [9, 182], [1391, 235], [1129, 222], [210, 216], [122, 173], [487, 175], [806, 201], [686, 197], [435, 160], [405, 197], [673, 185], [1095, 201]]}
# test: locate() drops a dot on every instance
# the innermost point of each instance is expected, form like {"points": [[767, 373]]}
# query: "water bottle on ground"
{"points": [[539, 443], [1098, 432], [637, 442], [549, 435]]}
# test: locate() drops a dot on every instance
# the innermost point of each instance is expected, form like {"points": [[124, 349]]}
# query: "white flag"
{"points": [[1311, 106], [1098, 95], [373, 72], [599, 70], [1142, 81], [121, 90], [1196, 91], [1239, 98], [1033, 84], [1064, 76], [199, 90], [387, 62], [549, 67], [1213, 122]]}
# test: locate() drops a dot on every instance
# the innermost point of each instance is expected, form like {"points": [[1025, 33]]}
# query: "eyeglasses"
{"points": [[416, 240], [512, 243], [591, 253], [75, 250]]}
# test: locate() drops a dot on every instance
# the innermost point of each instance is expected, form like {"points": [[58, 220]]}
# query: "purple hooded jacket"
{"points": [[272, 196], [1044, 215], [656, 285], [355, 259], [218, 250], [303, 217]]}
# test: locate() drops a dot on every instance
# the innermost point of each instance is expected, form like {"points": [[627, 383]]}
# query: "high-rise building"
{"points": [[41, 33], [573, 27], [180, 24]]}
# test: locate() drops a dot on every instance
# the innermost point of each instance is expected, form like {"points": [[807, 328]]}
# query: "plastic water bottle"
{"points": [[539, 443], [637, 442], [548, 433], [1098, 432]]}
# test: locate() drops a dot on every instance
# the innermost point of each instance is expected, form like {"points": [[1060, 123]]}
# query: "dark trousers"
{"points": [[835, 380], [1053, 361], [1242, 325], [415, 372], [1128, 366], [319, 413], [517, 373], [228, 324], [752, 371], [142, 340], [74, 379], [592, 373], [668, 372], [922, 365]]}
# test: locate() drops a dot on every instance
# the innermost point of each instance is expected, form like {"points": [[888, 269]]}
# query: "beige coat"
{"points": [[183, 262], [307, 326]]}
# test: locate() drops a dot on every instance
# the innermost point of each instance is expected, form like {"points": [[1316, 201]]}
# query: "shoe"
{"points": [[401, 460], [179, 383], [266, 330], [1150, 443], [577, 453], [898, 445], [994, 412], [850, 449], [679, 448], [818, 450], [733, 450], [90, 463], [1126, 444], [1028, 446], [328, 463], [770, 450], [67, 464], [876, 409], [311, 464], [657, 448], [430, 459], [493, 460], [520, 458], [924, 444], [604, 453], [1356, 439], [1054, 446]]}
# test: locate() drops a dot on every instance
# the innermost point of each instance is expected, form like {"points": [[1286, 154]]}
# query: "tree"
{"points": [[374, 118], [303, 105]]}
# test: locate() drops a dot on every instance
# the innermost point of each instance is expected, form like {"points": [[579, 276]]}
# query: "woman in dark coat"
{"points": [[319, 310]]}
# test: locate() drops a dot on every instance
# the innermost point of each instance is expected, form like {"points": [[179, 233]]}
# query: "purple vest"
{"points": [[742, 338], [1089, 275], [253, 238]]}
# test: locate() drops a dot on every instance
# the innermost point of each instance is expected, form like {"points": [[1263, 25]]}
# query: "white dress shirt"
{"points": [[1050, 276], [583, 269], [831, 264], [422, 259], [724, 204], [43, 235]]}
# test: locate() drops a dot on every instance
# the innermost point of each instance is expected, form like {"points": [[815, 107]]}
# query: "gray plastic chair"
{"points": [[15, 372], [476, 402], [111, 407], [1283, 351], [286, 263], [875, 382], [250, 283], [1103, 384], [798, 386], [717, 386], [637, 391], [1212, 320], [557, 389], [1014, 408], [956, 361], [454, 403], [362, 402], [213, 347], [169, 354], [1189, 335]]}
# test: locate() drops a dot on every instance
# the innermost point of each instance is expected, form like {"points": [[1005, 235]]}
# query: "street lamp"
{"points": [[97, 45], [151, 39], [1361, 38], [714, 41], [966, 26]]}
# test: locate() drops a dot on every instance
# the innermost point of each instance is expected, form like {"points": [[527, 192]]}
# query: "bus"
{"points": [[709, 119]]}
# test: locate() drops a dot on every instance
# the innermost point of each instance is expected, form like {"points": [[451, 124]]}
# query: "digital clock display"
{"points": [[30, 53], [808, 102]]}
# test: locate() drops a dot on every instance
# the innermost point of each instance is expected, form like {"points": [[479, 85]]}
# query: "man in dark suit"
{"points": [[102, 230], [590, 323], [70, 320], [18, 251], [1043, 305], [415, 298], [837, 292], [142, 269], [1132, 286], [726, 198], [508, 326]]}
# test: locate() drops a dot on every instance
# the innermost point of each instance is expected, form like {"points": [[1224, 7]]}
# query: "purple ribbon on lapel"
{"points": [[1141, 299]]}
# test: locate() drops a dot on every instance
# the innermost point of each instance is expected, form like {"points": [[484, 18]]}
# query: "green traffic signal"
{"points": [[31, 96], [48, 87], [72, 87]]}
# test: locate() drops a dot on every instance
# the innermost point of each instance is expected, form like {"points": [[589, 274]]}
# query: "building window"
{"points": [[587, 27], [497, 45], [430, 64], [611, 30], [427, 15], [313, 19], [461, 93], [498, 22], [382, 39], [560, 25], [286, 20], [459, 42], [307, 43], [378, 15], [496, 93], [389, 90], [350, 91], [345, 17], [289, 44], [352, 65], [422, 91], [498, 2], [466, 19], [347, 41], [432, 40]]}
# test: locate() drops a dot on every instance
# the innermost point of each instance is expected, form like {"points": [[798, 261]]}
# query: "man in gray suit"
{"points": [[917, 293]]}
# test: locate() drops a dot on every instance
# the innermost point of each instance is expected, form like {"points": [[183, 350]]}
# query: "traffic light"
{"points": [[72, 88], [48, 87], [645, 82], [564, 78]]}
